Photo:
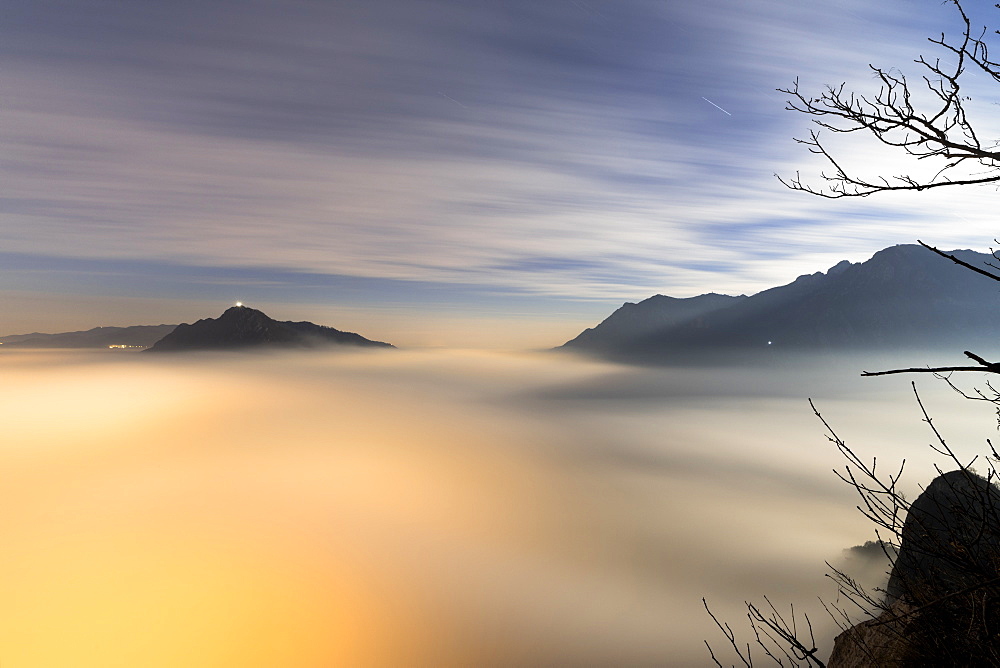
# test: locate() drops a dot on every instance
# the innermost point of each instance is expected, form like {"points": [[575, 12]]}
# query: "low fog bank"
{"points": [[437, 507]]}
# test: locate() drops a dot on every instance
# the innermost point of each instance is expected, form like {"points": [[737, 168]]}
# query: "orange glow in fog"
{"points": [[177, 516], [438, 508]]}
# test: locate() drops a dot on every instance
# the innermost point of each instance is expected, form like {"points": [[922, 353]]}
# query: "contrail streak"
{"points": [[460, 104], [716, 106]]}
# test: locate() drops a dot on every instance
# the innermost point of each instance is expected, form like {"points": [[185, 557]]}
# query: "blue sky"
{"points": [[385, 165]]}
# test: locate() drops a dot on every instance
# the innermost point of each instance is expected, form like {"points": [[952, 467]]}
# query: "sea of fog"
{"points": [[432, 507]]}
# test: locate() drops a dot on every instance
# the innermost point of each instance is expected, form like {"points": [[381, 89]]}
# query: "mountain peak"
{"points": [[241, 327], [656, 313], [839, 268], [244, 314], [903, 295], [241, 310]]}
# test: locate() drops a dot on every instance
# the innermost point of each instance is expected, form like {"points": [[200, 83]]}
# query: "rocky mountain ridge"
{"points": [[241, 327], [138, 336], [903, 296]]}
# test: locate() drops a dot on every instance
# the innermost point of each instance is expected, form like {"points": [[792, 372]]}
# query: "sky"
{"points": [[435, 172]]}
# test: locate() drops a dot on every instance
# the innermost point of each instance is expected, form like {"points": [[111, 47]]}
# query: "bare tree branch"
{"points": [[937, 370], [938, 130], [954, 259], [730, 635], [958, 619], [984, 366]]}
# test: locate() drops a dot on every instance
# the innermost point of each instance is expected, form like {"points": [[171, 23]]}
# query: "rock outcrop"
{"points": [[942, 603], [877, 642]]}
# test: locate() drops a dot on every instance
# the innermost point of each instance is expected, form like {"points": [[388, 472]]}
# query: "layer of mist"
{"points": [[427, 508]]}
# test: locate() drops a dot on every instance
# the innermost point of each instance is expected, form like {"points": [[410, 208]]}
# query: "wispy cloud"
{"points": [[556, 148]]}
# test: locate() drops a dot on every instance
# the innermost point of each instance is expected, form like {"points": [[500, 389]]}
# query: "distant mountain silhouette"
{"points": [[904, 296], [242, 327], [648, 317], [98, 337]]}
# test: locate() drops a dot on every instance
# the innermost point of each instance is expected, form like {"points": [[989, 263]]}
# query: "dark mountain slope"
{"points": [[659, 312], [242, 327], [98, 337], [903, 296]]}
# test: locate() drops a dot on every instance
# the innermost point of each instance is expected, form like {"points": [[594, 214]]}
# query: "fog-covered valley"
{"points": [[428, 507]]}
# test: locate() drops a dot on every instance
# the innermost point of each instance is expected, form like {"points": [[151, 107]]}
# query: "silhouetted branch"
{"points": [[956, 615], [984, 366], [960, 262], [784, 633], [730, 635], [947, 584], [938, 601], [939, 129], [938, 370]]}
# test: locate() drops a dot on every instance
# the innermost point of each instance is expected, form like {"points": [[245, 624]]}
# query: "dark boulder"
{"points": [[943, 598]]}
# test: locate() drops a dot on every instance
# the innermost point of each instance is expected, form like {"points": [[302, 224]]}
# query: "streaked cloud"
{"points": [[560, 149]]}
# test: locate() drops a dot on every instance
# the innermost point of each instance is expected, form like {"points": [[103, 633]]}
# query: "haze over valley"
{"points": [[422, 507], [332, 500], [448, 333]]}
